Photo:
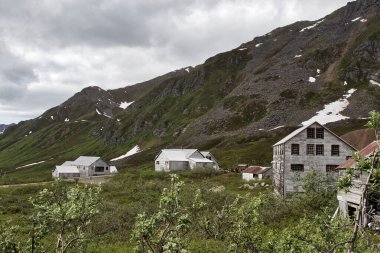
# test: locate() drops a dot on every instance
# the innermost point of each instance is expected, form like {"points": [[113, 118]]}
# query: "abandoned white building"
{"points": [[310, 147], [349, 200], [209, 156], [83, 166], [182, 159], [256, 172]]}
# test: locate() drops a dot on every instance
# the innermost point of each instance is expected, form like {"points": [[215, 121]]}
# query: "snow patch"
{"points": [[124, 105], [277, 127], [298, 56], [258, 44], [136, 149], [312, 26], [97, 111], [187, 70], [242, 49], [331, 112], [312, 79], [318, 71], [363, 20], [345, 83], [67, 120], [356, 19], [374, 82], [28, 165], [52, 117], [30, 132]]}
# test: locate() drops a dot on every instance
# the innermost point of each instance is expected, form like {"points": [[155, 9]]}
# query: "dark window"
{"points": [[106, 168], [331, 168], [335, 150], [311, 133], [99, 169], [348, 157], [320, 133], [310, 149], [296, 167], [295, 149], [319, 149], [157, 162]]}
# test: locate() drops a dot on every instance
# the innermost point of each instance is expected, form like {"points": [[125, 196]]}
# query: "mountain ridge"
{"points": [[279, 79]]}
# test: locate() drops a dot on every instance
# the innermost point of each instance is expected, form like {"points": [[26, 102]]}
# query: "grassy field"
{"points": [[127, 194]]}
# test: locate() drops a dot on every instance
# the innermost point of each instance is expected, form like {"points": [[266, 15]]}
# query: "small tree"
{"points": [[67, 211], [165, 230]]}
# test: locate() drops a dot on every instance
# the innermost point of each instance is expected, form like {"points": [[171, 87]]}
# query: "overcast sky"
{"points": [[51, 49]]}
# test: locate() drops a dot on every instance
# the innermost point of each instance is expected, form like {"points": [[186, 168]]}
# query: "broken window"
{"points": [[331, 168]]}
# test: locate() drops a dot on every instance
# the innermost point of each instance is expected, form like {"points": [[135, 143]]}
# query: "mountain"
{"points": [[236, 103], [2, 128]]}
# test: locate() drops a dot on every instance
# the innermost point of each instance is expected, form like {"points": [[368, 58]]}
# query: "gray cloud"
{"points": [[53, 48]]}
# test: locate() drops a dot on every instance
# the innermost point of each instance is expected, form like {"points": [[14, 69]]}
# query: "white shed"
{"points": [[256, 172], [66, 172], [181, 159]]}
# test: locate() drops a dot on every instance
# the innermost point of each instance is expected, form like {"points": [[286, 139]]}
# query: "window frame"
{"points": [[309, 134], [297, 167], [329, 168], [293, 147], [321, 134], [310, 147], [316, 149], [335, 152]]}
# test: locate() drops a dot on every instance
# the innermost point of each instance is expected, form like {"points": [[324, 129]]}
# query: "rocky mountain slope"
{"points": [[2, 128], [249, 95]]}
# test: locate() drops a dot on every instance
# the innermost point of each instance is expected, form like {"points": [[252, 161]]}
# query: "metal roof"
{"points": [[201, 160], [178, 154], [67, 163], [299, 130], [366, 152], [66, 169], [292, 134], [205, 153], [86, 160], [256, 169]]}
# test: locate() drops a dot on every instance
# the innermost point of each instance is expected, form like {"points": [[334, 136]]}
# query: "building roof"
{"points": [[205, 153], [67, 163], [299, 130], [86, 160], [256, 170], [201, 160], [178, 154], [365, 152], [66, 169]]}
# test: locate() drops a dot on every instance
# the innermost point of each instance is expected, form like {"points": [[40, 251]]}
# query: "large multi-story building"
{"points": [[310, 147]]}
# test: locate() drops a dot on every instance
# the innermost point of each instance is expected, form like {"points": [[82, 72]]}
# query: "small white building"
{"points": [[64, 171], [181, 159], [86, 166], [256, 172], [209, 156]]}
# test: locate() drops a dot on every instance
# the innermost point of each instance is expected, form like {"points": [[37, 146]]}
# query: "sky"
{"points": [[51, 49]]}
